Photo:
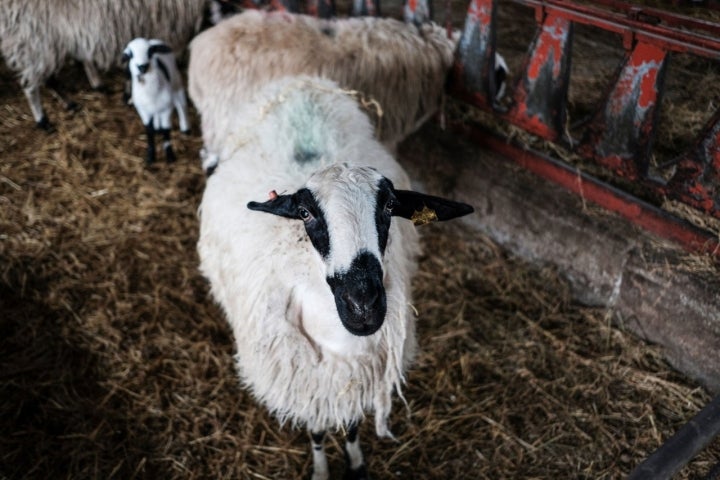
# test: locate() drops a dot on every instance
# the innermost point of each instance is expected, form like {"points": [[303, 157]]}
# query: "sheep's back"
{"points": [[400, 66]]}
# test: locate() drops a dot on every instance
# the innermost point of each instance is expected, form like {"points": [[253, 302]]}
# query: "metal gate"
{"points": [[619, 136]]}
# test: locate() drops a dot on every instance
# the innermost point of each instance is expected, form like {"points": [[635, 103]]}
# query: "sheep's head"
{"points": [[139, 52], [347, 213]]}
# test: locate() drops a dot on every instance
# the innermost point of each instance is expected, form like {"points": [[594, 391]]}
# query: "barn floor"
{"points": [[116, 363]]}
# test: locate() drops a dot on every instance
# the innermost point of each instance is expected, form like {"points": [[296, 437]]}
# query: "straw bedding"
{"points": [[115, 363]]}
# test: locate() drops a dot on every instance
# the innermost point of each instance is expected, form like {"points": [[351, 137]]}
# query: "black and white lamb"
{"points": [[315, 277], [157, 88], [38, 36]]}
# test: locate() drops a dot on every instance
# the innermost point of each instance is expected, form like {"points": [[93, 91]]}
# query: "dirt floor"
{"points": [[115, 362]]}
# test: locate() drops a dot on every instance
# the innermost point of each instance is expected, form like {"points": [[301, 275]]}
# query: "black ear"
{"points": [[158, 48], [423, 209], [282, 205], [126, 56]]}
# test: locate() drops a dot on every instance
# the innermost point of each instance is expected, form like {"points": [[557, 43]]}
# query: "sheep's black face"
{"points": [[347, 213], [360, 295]]}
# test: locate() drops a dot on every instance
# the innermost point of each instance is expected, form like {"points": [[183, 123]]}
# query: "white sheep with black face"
{"points": [[157, 89], [315, 280]]}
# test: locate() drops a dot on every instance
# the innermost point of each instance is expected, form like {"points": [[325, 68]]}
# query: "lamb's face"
{"points": [[137, 56], [347, 213], [139, 53]]}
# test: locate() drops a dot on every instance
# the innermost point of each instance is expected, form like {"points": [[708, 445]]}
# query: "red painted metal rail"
{"points": [[620, 134]]}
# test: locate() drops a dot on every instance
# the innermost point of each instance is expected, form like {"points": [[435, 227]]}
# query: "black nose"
{"points": [[360, 295], [143, 68], [360, 302]]}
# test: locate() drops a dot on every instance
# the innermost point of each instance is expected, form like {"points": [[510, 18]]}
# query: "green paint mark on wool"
{"points": [[308, 124]]}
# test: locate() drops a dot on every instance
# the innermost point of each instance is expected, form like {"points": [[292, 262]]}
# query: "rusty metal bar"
{"points": [[655, 16], [643, 214], [621, 135], [473, 73], [667, 38], [697, 177], [540, 98], [417, 11]]}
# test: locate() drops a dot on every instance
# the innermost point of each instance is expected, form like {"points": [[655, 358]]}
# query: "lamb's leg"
{"points": [[150, 133], [320, 465], [180, 102], [33, 96], [355, 469], [167, 145]]}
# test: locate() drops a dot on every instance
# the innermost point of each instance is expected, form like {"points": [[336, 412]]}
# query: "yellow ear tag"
{"points": [[424, 217]]}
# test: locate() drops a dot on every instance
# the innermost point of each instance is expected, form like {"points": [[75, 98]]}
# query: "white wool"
{"points": [[292, 350], [401, 66]]}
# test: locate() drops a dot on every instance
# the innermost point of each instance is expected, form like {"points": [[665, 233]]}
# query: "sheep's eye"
{"points": [[305, 215], [390, 205]]}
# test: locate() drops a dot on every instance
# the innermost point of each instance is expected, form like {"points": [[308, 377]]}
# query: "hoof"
{"points": [[44, 124], [186, 132], [170, 156], [360, 473], [209, 171]]}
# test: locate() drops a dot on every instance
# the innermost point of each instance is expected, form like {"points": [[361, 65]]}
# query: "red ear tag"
{"points": [[273, 195]]}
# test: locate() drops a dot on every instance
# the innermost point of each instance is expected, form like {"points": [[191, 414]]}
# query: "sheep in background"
{"points": [[316, 280], [156, 88], [37, 36], [401, 66]]}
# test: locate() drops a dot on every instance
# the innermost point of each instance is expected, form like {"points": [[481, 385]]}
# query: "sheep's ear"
{"points": [[126, 56], [423, 209], [158, 48], [282, 205]]}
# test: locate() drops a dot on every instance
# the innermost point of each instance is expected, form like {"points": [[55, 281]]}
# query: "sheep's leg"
{"points": [[33, 96], [167, 145], [320, 465], [180, 102], [56, 91], [355, 469], [93, 76], [150, 133]]}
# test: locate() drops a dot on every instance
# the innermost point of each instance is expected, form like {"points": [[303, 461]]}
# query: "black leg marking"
{"points": [[355, 463], [320, 466], [167, 146], [44, 124], [150, 133]]}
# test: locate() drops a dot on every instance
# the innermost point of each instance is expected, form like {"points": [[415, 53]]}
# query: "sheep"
{"points": [[401, 66], [37, 36], [320, 307], [156, 88]]}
